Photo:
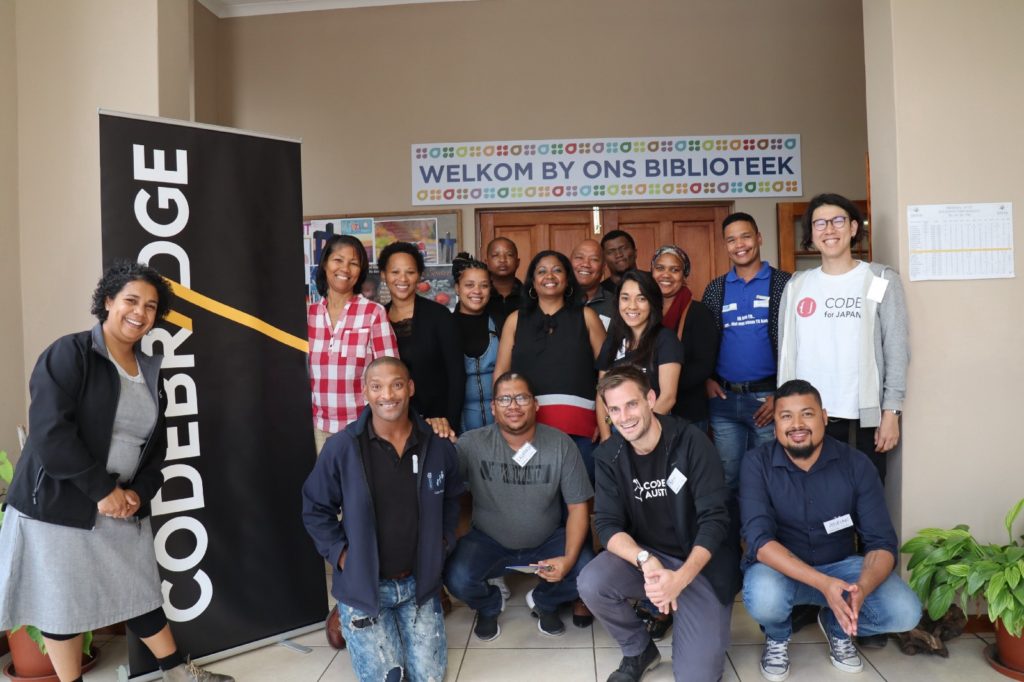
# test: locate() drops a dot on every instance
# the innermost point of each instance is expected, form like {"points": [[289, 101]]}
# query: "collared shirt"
{"points": [[779, 501], [745, 352], [392, 482], [499, 307], [339, 353]]}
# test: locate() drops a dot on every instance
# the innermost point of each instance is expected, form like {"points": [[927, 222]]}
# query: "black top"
{"points": [[667, 349], [430, 346], [650, 505], [392, 482], [701, 511], [700, 353], [474, 333], [554, 352], [499, 307]]}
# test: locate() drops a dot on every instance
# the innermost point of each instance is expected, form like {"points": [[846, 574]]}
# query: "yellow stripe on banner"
{"points": [[978, 250], [176, 318], [235, 315]]}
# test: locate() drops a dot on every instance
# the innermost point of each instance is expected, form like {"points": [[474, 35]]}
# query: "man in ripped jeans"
{"points": [[396, 486]]}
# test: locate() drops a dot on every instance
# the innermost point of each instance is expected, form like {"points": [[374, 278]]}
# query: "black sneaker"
{"points": [[486, 628], [548, 623], [632, 668]]}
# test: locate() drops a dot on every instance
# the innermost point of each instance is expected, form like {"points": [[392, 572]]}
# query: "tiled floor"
{"points": [[522, 653]]}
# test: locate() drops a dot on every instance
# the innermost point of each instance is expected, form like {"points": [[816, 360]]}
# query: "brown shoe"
{"points": [[446, 602], [581, 615], [334, 636]]}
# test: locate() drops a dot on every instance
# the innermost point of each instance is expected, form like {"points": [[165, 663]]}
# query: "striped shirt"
{"points": [[339, 353]]}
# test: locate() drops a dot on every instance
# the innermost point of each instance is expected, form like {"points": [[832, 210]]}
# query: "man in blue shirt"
{"points": [[745, 305], [803, 501]]}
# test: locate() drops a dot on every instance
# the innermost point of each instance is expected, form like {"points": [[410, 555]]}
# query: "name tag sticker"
{"points": [[728, 307], [524, 454], [876, 292], [675, 480], [761, 301], [838, 523]]}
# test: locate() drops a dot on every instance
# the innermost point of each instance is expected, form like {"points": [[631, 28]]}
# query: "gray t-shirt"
{"points": [[521, 506]]}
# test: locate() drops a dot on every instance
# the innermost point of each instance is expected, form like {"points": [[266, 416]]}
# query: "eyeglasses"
{"points": [[839, 222], [522, 399]]}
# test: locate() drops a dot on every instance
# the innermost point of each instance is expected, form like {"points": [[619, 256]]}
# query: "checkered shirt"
{"points": [[338, 356]]}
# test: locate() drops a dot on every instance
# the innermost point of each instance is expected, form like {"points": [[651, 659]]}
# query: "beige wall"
{"points": [[72, 58], [944, 121], [205, 44], [12, 371], [360, 85]]}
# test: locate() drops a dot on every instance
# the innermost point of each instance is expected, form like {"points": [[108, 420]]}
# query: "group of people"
{"points": [[572, 406], [581, 406]]}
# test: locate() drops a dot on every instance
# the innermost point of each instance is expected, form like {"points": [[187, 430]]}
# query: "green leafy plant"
{"points": [[947, 563], [6, 474], [36, 635]]}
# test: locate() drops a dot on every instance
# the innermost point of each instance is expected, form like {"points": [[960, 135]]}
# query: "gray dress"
{"points": [[67, 580]]}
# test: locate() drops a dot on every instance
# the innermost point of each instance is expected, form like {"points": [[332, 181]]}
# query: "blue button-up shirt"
{"points": [[745, 352], [779, 501]]}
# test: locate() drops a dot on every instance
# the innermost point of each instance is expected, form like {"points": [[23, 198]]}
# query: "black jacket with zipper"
{"points": [[62, 473], [704, 513]]}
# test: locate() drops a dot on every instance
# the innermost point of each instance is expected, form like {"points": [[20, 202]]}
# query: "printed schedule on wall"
{"points": [[960, 241]]}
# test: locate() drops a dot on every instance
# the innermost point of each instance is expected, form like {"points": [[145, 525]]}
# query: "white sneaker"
{"points": [[841, 650], [499, 582], [775, 660]]}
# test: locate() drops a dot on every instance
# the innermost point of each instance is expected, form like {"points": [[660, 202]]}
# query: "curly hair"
{"points": [[400, 247], [121, 273], [462, 262]]}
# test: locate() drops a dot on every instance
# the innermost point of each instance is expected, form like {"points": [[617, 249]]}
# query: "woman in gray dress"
{"points": [[76, 546]]}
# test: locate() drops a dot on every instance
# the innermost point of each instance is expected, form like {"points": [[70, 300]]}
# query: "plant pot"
{"points": [[1010, 649], [28, 664]]}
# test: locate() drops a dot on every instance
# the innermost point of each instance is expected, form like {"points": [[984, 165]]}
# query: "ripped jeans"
{"points": [[404, 641]]}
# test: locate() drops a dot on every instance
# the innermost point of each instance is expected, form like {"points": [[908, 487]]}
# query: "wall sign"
{"points": [[637, 169]]}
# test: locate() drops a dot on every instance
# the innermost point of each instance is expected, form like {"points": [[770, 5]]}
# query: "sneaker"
{"points": [[841, 650], [486, 628], [632, 668], [547, 622], [190, 672], [502, 586], [581, 615], [775, 660]]}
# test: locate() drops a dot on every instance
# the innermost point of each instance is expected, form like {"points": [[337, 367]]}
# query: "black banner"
{"points": [[216, 211]]}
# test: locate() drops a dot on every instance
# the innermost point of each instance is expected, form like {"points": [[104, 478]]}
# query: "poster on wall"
{"points": [[606, 169], [210, 208], [960, 241], [434, 233]]}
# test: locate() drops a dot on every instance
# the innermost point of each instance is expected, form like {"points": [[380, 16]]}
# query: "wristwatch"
{"points": [[896, 412], [642, 557]]}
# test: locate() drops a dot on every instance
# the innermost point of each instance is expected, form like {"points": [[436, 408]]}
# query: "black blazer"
{"points": [[433, 353], [700, 354]]}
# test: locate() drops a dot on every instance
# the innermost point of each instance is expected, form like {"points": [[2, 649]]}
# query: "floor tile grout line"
{"points": [[732, 665], [329, 663]]}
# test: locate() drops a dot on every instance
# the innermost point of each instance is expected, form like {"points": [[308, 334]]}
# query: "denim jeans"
{"points": [[770, 597], [586, 447], [404, 641], [478, 557], [732, 420]]}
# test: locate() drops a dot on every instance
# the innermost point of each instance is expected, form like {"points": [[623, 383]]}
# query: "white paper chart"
{"points": [[960, 241]]}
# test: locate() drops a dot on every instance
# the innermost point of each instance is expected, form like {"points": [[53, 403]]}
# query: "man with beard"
{"points": [[525, 479], [804, 500], [661, 512], [397, 487], [588, 264], [619, 251]]}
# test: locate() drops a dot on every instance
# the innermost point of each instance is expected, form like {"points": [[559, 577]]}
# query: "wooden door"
{"points": [[696, 229], [533, 231]]}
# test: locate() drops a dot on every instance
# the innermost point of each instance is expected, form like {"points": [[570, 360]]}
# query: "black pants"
{"points": [[850, 431]]}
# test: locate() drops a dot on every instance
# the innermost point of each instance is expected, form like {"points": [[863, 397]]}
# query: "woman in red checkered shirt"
{"points": [[346, 332]]}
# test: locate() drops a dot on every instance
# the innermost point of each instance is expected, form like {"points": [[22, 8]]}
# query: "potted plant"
{"points": [[28, 650], [945, 564]]}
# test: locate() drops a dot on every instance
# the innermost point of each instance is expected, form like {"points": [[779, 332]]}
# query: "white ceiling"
{"points": [[248, 8]]}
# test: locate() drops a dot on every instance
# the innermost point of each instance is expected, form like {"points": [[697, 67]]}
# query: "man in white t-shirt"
{"points": [[844, 329]]}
